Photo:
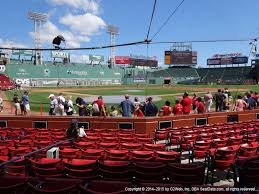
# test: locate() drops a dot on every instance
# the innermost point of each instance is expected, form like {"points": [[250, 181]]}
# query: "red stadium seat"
{"points": [[93, 154], [142, 155], [117, 154], [131, 146]]}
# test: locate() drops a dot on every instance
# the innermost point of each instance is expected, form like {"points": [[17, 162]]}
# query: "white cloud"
{"points": [[86, 24], [49, 31], [86, 5], [10, 44]]}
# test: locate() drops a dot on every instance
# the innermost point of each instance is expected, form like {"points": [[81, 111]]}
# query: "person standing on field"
{"points": [[208, 101], [26, 102]]}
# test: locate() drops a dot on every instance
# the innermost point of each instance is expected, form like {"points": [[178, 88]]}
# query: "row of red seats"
{"points": [[64, 186], [113, 170]]}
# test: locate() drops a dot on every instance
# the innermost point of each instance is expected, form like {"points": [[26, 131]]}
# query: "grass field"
{"points": [[40, 95]]}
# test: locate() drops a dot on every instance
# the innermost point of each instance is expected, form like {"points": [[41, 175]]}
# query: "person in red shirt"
{"points": [[178, 108], [200, 106], [194, 101], [101, 107], [138, 112], [166, 110], [186, 103]]}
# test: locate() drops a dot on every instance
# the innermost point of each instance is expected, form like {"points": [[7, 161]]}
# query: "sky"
{"points": [[83, 24]]}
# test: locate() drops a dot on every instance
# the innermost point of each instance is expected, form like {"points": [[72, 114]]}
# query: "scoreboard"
{"points": [[181, 57]]}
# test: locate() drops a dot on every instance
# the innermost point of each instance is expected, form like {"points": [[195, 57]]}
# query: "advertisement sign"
{"points": [[240, 60], [167, 57], [227, 55], [143, 62], [22, 52], [98, 58], [59, 54], [122, 60], [227, 61], [213, 61], [181, 57], [23, 82]]}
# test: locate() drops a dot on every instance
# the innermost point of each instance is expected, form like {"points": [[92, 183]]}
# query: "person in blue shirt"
{"points": [[150, 109], [251, 102], [26, 102], [127, 107]]}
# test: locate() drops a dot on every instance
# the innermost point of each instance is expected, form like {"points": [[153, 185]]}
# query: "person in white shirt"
{"points": [[68, 106], [1, 104], [208, 101], [60, 110]]}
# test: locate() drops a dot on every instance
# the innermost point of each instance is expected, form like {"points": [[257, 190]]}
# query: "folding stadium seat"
{"points": [[110, 139], [24, 143], [92, 154], [99, 130], [220, 142], [81, 169], [3, 150], [154, 147], [127, 140], [142, 155], [221, 159], [128, 131], [47, 167], [115, 170], [205, 136], [69, 153], [117, 154], [200, 149], [249, 138], [140, 135], [175, 137], [149, 171], [85, 145], [131, 146], [105, 187], [112, 131], [248, 150], [235, 140], [53, 186], [93, 138], [16, 168], [186, 174], [42, 143], [124, 135], [20, 151], [220, 135], [163, 156], [248, 172], [161, 136], [187, 141], [106, 134], [11, 185], [145, 140], [107, 146]]}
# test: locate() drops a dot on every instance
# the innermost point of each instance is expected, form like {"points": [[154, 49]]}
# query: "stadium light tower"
{"points": [[38, 19], [113, 31]]}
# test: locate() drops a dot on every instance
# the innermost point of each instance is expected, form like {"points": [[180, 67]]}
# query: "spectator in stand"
{"points": [[256, 97], [138, 112], [194, 101], [60, 109], [178, 108], [98, 107], [136, 102], [200, 108], [166, 110], [114, 112], [208, 101], [16, 102], [227, 92], [74, 132], [219, 99], [25, 102], [1, 104], [240, 104], [150, 109], [127, 106], [251, 102], [186, 103], [81, 104], [53, 104], [68, 106]]}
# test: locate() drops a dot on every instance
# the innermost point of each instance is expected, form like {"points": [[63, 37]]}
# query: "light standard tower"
{"points": [[38, 19], [113, 31]]}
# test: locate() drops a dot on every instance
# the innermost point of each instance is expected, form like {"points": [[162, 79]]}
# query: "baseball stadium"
{"points": [[128, 123]]}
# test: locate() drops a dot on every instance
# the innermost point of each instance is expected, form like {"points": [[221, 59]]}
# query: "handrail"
{"points": [[36, 151]]}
